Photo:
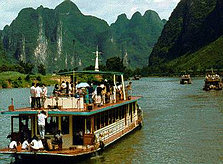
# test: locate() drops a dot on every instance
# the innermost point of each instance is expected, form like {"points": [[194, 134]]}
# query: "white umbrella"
{"points": [[82, 85]]}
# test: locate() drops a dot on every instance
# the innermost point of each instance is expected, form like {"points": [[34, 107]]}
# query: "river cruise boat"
{"points": [[86, 127], [185, 79], [212, 82]]}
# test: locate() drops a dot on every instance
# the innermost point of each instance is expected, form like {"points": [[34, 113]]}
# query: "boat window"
{"points": [[102, 120], [88, 130], [119, 113], [116, 114], [97, 122], [15, 124], [65, 124], [51, 125], [25, 127], [106, 118], [110, 117], [113, 116], [134, 107]]}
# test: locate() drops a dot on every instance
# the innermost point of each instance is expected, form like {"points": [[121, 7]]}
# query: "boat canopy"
{"points": [[90, 72]]}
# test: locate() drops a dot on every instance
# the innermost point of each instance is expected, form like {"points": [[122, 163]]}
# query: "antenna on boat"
{"points": [[97, 60]]}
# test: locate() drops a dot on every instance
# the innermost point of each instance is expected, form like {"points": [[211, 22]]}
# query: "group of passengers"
{"points": [[185, 76], [35, 143], [37, 94], [27, 144], [98, 93], [212, 77]]}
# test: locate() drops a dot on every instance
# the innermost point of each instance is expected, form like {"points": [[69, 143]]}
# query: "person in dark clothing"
{"points": [[90, 92]]}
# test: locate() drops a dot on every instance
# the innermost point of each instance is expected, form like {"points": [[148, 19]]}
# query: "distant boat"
{"points": [[185, 79], [212, 82], [136, 77]]}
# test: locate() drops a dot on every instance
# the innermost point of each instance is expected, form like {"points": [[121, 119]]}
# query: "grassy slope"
{"points": [[11, 80], [210, 56]]}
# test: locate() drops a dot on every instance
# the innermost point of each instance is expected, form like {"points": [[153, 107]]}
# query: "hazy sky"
{"points": [[104, 9]]}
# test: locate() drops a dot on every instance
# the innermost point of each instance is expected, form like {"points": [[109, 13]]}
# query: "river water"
{"points": [[182, 124]]}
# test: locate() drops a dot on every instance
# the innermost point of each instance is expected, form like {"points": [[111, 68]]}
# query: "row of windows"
{"points": [[108, 117]]}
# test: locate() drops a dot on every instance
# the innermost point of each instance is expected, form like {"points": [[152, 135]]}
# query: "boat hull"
{"points": [[46, 157]]}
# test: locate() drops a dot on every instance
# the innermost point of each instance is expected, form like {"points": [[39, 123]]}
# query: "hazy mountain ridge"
{"points": [[64, 38]]}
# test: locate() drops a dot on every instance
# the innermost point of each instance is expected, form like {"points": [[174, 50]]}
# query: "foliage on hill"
{"points": [[18, 80], [138, 35], [64, 38], [192, 26], [210, 56]]}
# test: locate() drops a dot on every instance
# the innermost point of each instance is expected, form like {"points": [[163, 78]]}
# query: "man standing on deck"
{"points": [[33, 95], [38, 94], [41, 123]]}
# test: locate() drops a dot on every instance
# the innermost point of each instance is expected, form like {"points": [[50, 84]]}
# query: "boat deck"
{"points": [[64, 152], [83, 111]]}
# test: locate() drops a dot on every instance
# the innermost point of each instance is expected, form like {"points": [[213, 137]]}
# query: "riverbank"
{"points": [[18, 80]]}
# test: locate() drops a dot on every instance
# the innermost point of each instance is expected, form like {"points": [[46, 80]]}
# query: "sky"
{"points": [[104, 9]]}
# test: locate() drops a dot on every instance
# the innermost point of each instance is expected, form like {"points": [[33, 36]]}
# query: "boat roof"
{"points": [[90, 72], [28, 111]]}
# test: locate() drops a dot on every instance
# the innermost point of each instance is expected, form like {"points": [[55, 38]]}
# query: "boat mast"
{"points": [[96, 59]]}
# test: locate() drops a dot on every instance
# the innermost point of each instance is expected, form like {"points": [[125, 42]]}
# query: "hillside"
{"points": [[190, 31], [210, 56], [64, 38], [138, 35]]}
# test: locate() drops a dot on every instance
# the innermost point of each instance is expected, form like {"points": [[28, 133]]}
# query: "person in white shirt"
{"points": [[41, 123], [34, 145], [40, 143], [13, 145], [38, 94], [33, 95], [25, 145]]}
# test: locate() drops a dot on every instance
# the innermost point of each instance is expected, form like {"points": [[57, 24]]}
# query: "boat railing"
{"points": [[79, 102]]}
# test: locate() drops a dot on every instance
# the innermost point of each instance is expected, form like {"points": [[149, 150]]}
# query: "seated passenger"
{"points": [[25, 145], [34, 145], [13, 145], [58, 139], [40, 144]]}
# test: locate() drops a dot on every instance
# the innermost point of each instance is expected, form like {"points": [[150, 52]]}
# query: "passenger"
{"points": [[25, 145], [41, 123], [44, 94], [40, 144], [34, 145], [38, 94], [13, 145], [63, 87], [103, 92], [59, 140], [56, 90], [67, 88], [33, 95], [90, 92]]}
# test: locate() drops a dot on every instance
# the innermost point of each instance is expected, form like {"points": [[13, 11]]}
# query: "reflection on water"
{"points": [[182, 124]]}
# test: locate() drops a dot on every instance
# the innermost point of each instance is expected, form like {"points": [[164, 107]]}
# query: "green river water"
{"points": [[182, 124]]}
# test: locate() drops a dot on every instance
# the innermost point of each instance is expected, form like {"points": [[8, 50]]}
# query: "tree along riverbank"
{"points": [[18, 80]]}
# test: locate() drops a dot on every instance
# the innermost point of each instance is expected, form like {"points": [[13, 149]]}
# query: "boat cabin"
{"points": [[212, 82]]}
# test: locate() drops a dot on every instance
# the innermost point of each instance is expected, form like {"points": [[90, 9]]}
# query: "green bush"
{"points": [[27, 78], [4, 84], [38, 78]]}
